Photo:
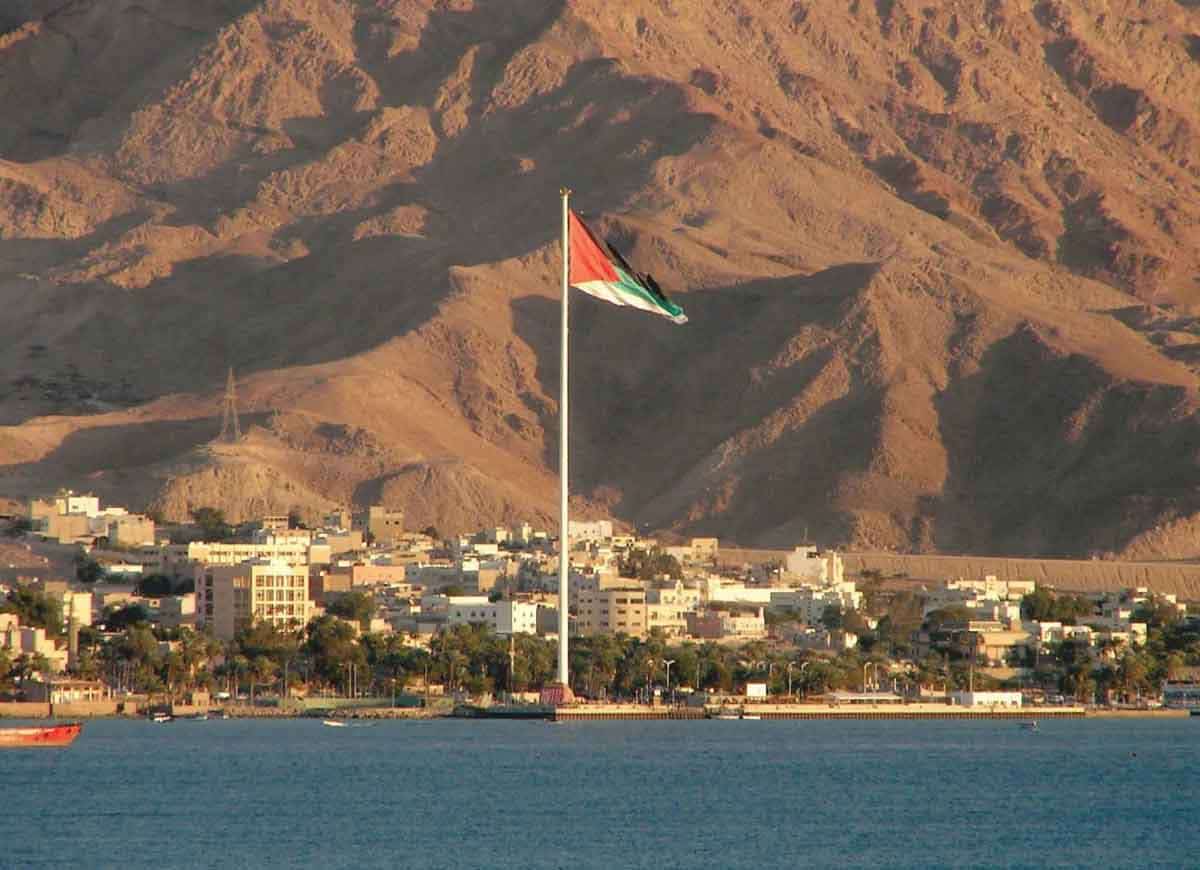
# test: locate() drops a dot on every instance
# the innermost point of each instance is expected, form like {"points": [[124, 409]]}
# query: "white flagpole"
{"points": [[564, 537]]}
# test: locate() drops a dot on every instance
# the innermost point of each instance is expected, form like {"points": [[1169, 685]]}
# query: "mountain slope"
{"points": [[940, 262]]}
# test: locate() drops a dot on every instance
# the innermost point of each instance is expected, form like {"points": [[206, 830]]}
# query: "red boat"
{"points": [[48, 735]]}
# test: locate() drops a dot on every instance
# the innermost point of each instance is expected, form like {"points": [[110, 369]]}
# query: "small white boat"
{"points": [[750, 716], [333, 723], [162, 717]]}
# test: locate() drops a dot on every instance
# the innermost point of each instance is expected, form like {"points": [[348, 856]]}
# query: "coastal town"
{"points": [[105, 612]]}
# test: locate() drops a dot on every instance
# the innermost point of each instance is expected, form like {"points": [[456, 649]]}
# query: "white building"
{"points": [[26, 640], [502, 617], [986, 699], [810, 602], [807, 565], [70, 503], [986, 599], [594, 530], [293, 552]]}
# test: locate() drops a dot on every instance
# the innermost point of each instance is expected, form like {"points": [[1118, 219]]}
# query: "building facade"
{"points": [[385, 526], [502, 617], [230, 597], [612, 610]]}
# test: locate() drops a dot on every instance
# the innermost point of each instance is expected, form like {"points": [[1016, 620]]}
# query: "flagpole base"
{"points": [[556, 695]]}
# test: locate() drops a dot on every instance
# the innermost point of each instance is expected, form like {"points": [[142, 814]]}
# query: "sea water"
{"points": [[722, 794]]}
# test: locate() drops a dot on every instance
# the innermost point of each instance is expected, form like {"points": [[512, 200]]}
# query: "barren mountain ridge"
{"points": [[941, 261]]}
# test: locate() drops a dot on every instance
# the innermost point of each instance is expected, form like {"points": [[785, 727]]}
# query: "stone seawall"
{"points": [[1071, 575], [24, 710], [85, 709]]}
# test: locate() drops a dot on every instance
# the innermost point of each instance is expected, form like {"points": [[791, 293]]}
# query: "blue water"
{"points": [[739, 794]]}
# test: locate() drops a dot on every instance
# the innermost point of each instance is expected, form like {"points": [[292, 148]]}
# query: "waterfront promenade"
{"points": [[589, 712], [600, 712]]}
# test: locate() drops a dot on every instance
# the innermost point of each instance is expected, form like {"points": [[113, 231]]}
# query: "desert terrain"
{"points": [[941, 262]]}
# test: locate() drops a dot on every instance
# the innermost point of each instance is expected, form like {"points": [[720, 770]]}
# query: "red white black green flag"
{"points": [[600, 271]]}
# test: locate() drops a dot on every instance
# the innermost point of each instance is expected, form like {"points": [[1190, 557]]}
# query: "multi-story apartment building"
{"points": [[612, 610], [293, 552], [667, 608], [229, 597]]}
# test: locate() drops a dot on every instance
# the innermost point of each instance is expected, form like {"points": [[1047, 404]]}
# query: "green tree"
{"points": [[261, 670], [1157, 613], [953, 615], [212, 523], [121, 618], [1133, 674], [331, 645], [36, 609], [6, 663], [355, 606], [154, 585], [1042, 605], [649, 564], [87, 569], [831, 617], [18, 526]]}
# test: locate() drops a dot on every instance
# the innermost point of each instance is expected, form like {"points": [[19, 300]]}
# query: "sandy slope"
{"points": [[940, 261]]}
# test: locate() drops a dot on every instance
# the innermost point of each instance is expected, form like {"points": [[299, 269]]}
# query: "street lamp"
{"points": [[668, 663]]}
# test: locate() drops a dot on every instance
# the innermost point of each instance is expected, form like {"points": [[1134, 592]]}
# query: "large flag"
{"points": [[600, 271]]}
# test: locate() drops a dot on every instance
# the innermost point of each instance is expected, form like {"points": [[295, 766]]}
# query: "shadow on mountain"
{"points": [[67, 81], [651, 402], [134, 446], [1047, 455], [494, 187]]}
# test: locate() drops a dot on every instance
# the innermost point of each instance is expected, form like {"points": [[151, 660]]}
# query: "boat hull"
{"points": [[39, 736]]}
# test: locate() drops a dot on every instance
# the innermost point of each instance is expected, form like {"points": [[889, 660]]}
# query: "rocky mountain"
{"points": [[941, 260]]}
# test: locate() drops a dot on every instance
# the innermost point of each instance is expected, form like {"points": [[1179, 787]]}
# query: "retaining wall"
{"points": [[1073, 575], [24, 710]]}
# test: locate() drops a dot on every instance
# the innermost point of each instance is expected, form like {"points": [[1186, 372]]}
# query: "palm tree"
{"points": [[262, 669], [239, 666]]}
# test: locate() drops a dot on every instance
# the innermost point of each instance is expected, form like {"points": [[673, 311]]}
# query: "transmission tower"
{"points": [[231, 430]]}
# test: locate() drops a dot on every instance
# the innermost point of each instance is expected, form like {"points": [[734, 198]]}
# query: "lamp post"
{"points": [[649, 680], [668, 663], [790, 665]]}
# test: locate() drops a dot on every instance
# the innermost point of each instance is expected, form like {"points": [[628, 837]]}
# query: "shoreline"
{"points": [[599, 712]]}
